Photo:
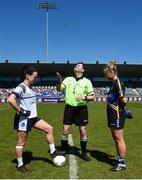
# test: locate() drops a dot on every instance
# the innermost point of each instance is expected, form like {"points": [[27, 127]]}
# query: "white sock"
{"points": [[19, 161], [52, 148]]}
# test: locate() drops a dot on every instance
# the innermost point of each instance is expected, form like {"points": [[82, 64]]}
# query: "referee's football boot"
{"points": [[58, 153], [118, 167], [23, 169], [85, 157]]}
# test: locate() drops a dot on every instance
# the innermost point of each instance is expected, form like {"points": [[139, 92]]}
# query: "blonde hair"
{"points": [[111, 66]]}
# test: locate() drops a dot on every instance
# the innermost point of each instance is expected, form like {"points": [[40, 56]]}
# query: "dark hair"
{"points": [[81, 63], [26, 70]]}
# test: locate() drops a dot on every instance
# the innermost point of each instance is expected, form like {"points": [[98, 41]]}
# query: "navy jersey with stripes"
{"points": [[117, 91]]}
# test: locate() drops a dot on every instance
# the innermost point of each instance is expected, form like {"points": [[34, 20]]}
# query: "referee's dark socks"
{"points": [[83, 143], [64, 142], [84, 156], [83, 146]]}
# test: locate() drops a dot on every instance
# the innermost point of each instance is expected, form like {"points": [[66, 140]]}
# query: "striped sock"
{"points": [[122, 162]]}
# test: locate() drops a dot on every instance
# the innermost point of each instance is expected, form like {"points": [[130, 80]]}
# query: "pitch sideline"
{"points": [[72, 161]]}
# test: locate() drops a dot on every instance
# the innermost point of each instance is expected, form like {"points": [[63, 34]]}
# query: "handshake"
{"points": [[24, 112]]}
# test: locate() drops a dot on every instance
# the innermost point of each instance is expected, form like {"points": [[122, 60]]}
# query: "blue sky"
{"points": [[80, 30]]}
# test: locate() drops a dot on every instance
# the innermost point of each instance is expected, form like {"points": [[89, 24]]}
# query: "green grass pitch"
{"points": [[100, 145]]}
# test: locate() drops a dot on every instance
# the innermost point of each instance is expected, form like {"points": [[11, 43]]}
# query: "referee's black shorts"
{"points": [[75, 115], [116, 119]]}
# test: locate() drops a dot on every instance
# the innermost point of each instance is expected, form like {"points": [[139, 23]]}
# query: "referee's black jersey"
{"points": [[117, 90]]}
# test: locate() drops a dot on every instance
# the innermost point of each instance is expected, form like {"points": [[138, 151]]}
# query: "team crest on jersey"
{"points": [[22, 124]]}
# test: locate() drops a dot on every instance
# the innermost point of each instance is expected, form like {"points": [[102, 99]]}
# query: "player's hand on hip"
{"points": [[24, 112]]}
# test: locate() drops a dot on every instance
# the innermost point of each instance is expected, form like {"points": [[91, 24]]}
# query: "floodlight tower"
{"points": [[46, 6]]}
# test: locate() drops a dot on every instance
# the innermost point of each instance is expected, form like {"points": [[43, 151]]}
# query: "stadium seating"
{"points": [[131, 92], [4, 93], [101, 91], [51, 92], [139, 90]]}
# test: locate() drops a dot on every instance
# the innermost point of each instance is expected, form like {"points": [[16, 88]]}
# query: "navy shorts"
{"points": [[75, 115], [116, 119], [21, 123]]}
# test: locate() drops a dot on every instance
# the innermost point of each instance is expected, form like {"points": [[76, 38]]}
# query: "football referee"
{"points": [[78, 91]]}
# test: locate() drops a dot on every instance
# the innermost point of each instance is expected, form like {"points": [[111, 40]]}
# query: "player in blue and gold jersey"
{"points": [[116, 113]]}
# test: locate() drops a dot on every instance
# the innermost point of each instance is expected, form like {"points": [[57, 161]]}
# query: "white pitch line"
{"points": [[72, 161]]}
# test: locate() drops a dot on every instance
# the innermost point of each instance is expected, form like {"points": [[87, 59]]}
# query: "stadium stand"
{"points": [[139, 90], [45, 86], [101, 91], [4, 93], [131, 92], [48, 92]]}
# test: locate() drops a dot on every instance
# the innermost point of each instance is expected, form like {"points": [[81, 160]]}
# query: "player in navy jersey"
{"points": [[116, 113], [23, 100]]}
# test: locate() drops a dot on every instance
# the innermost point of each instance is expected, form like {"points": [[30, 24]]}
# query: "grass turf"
{"points": [[100, 145]]}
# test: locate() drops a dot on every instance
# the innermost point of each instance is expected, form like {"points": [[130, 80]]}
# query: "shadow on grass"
{"points": [[102, 156], [71, 150], [28, 157], [98, 155]]}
